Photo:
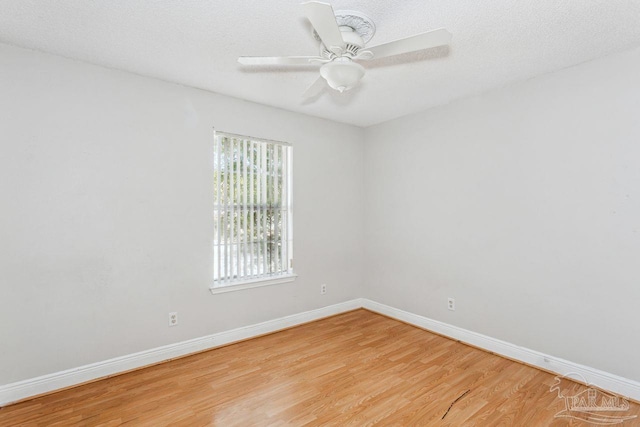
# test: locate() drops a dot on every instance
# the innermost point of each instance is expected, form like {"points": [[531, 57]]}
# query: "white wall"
{"points": [[524, 205], [106, 192]]}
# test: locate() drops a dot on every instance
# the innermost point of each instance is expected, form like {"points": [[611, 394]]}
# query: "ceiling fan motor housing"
{"points": [[352, 44], [356, 30]]}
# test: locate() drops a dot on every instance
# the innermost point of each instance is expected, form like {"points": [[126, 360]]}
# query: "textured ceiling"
{"points": [[197, 42]]}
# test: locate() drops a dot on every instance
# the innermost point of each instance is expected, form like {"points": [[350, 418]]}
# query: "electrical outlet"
{"points": [[173, 318], [451, 304], [323, 289]]}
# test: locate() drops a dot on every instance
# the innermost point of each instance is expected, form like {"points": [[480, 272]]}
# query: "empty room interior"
{"points": [[283, 213]]}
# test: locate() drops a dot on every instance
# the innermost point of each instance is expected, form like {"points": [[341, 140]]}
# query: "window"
{"points": [[252, 212]]}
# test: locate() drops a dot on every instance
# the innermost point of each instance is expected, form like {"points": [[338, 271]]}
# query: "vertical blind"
{"points": [[252, 212]]}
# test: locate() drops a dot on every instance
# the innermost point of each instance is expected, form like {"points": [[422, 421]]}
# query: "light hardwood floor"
{"points": [[357, 368]]}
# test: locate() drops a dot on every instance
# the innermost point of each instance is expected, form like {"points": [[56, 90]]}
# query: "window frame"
{"points": [[217, 286]]}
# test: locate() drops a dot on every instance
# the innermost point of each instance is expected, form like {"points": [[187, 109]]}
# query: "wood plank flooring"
{"points": [[357, 368]]}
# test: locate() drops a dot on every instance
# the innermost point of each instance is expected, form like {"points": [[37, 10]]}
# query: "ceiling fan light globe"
{"points": [[342, 74]]}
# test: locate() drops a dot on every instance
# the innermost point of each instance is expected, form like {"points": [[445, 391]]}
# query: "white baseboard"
{"points": [[604, 380], [32, 387]]}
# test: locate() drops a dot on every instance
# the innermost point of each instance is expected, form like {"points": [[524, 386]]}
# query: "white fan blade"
{"points": [[426, 40], [323, 19], [279, 60], [314, 89]]}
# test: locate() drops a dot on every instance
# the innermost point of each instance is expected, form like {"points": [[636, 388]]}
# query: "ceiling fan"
{"points": [[343, 36]]}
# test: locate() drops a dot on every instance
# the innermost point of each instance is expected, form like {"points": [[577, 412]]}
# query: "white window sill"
{"points": [[249, 284]]}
